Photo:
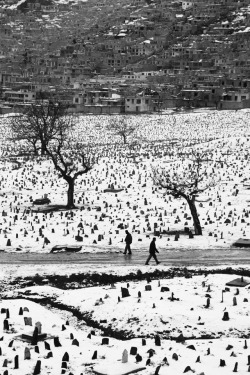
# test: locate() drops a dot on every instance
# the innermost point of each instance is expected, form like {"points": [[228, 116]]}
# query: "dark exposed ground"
{"points": [[82, 280]]}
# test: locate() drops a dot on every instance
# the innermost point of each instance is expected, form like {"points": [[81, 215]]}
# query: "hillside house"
{"points": [[142, 103], [235, 99], [186, 5], [19, 96]]}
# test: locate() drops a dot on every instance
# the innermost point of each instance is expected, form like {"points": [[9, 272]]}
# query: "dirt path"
{"points": [[177, 257]]}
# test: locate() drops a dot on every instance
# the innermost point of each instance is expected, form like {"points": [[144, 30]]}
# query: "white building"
{"points": [[186, 4]]}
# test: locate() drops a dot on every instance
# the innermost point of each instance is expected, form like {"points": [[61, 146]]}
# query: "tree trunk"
{"points": [[194, 213], [43, 149], [70, 193]]}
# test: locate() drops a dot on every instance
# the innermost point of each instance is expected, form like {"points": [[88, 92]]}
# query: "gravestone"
{"points": [[39, 327], [125, 356], [165, 289], [235, 367], [222, 363], [37, 369], [6, 325], [133, 350], [27, 321], [75, 342], [27, 353], [225, 316], [157, 340], [175, 356], [16, 362], [125, 292], [46, 345], [105, 341], [188, 368], [35, 337], [138, 358], [57, 342]]}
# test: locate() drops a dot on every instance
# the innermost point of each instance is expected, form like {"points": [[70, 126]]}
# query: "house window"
{"points": [[137, 109], [138, 101], [243, 97], [133, 101], [236, 98], [128, 100]]}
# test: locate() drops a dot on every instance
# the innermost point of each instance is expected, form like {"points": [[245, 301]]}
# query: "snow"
{"points": [[140, 207], [168, 319], [193, 306]]}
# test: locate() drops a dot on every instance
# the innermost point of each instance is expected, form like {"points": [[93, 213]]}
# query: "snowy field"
{"points": [[140, 207], [164, 326], [178, 324]]}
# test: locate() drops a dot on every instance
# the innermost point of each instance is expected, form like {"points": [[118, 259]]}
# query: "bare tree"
{"points": [[121, 127], [42, 122], [70, 160], [188, 179], [47, 126]]}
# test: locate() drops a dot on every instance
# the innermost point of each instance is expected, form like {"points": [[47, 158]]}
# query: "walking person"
{"points": [[128, 241], [152, 251]]}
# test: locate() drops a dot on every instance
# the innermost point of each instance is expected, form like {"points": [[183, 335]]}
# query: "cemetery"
{"points": [[169, 326], [183, 323], [119, 193]]}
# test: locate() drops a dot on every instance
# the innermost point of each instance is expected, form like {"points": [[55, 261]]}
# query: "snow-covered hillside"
{"points": [[197, 325]]}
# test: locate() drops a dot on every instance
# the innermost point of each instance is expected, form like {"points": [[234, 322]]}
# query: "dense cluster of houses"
{"points": [[126, 56]]}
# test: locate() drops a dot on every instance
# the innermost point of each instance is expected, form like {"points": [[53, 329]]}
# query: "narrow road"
{"points": [[176, 257]]}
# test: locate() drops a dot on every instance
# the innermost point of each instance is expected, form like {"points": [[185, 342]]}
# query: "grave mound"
{"points": [[41, 201], [112, 190], [242, 242], [240, 281], [67, 248]]}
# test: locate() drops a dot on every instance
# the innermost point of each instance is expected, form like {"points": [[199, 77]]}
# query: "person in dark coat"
{"points": [[152, 251], [128, 241]]}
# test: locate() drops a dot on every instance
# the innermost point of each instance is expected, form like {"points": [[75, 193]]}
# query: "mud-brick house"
{"points": [[143, 102], [235, 99], [98, 102], [19, 96]]}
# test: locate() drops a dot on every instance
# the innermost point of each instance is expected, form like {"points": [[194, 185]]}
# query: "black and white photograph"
{"points": [[124, 187]]}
